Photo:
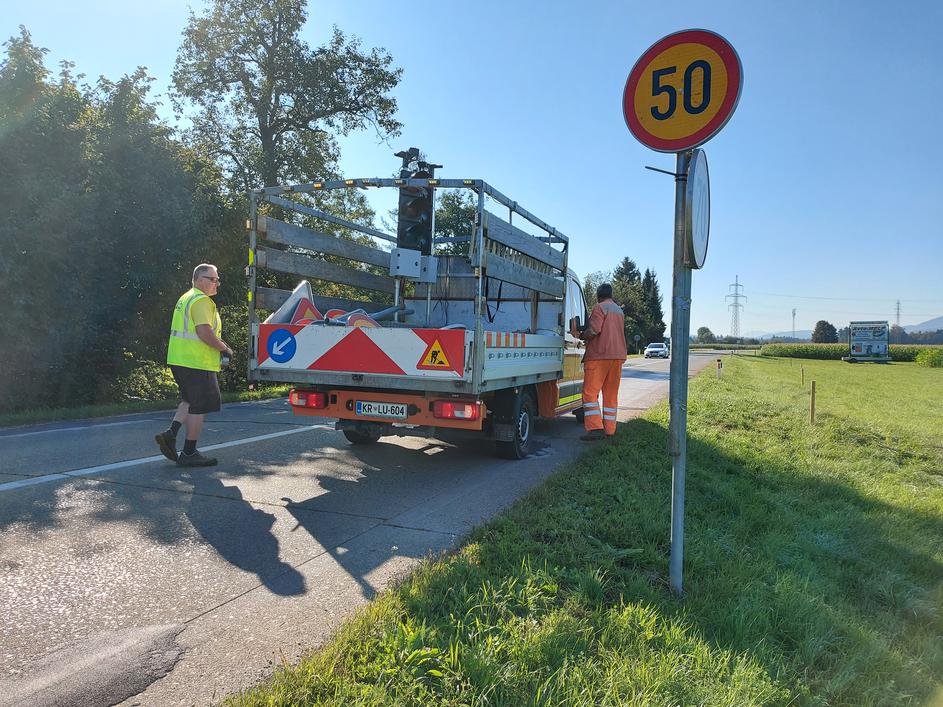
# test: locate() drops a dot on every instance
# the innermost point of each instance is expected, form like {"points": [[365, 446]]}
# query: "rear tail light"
{"points": [[454, 410], [307, 399]]}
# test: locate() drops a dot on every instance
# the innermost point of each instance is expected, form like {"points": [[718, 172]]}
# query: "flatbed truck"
{"points": [[482, 341]]}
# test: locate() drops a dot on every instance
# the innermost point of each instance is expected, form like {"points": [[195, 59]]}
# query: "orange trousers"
{"points": [[601, 375]]}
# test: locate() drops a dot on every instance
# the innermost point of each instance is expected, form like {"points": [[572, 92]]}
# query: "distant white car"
{"points": [[658, 350]]}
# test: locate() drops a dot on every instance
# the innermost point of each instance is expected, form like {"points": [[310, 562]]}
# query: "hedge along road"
{"points": [[212, 576]]}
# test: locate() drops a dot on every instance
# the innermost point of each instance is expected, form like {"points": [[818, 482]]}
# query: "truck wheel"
{"points": [[523, 416], [361, 436], [579, 414]]}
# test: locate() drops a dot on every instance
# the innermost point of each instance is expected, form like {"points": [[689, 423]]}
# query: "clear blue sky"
{"points": [[827, 182]]}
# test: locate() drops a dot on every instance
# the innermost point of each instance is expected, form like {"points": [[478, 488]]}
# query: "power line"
{"points": [[846, 299], [883, 311]]}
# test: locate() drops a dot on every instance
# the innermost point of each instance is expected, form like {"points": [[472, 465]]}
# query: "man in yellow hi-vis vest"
{"points": [[193, 354]]}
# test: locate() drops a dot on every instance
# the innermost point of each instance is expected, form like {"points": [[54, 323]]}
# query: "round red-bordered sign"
{"points": [[682, 90]]}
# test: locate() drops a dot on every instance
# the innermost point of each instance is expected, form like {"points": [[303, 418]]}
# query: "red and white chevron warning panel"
{"points": [[435, 353]]}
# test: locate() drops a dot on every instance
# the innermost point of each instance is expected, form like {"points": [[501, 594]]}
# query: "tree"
{"points": [[705, 335], [824, 333], [627, 272], [106, 214], [265, 100], [455, 217], [639, 296], [651, 298], [591, 283]]}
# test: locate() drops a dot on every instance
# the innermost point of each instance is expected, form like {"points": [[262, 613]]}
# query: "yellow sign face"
{"points": [[682, 91], [435, 357]]}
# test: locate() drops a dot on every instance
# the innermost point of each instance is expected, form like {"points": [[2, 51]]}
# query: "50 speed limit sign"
{"points": [[682, 91]]}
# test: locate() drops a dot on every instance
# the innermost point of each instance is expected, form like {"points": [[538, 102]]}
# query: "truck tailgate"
{"points": [[402, 352]]}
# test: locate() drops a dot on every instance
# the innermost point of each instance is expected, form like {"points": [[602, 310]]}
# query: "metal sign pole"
{"points": [[678, 387]]}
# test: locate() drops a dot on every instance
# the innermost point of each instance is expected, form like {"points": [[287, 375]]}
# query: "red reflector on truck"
{"points": [[307, 399], [452, 410]]}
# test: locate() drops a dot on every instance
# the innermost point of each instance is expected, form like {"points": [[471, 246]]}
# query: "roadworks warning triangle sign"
{"points": [[434, 358], [306, 310]]}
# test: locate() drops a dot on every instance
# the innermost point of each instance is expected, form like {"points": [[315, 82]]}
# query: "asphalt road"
{"points": [[125, 576]]}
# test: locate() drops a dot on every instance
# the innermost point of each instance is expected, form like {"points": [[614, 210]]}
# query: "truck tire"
{"points": [[523, 415], [579, 414], [361, 436]]}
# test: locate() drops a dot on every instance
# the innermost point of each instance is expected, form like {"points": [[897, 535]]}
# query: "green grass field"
{"points": [[813, 569]]}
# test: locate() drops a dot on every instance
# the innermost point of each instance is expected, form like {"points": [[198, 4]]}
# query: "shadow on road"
{"points": [[645, 375], [380, 481], [243, 537]]}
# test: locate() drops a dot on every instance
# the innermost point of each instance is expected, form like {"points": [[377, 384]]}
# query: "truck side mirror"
{"points": [[576, 326]]}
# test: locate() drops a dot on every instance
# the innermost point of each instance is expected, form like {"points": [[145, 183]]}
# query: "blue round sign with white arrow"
{"points": [[281, 345]]}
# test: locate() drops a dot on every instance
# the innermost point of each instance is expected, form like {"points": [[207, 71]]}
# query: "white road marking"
{"points": [[642, 365], [11, 485], [151, 414], [75, 429]]}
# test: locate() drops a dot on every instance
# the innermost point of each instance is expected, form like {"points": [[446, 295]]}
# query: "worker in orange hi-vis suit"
{"points": [[604, 335]]}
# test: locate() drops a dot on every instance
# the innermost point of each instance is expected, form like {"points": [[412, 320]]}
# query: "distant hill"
{"points": [[929, 325], [800, 334]]}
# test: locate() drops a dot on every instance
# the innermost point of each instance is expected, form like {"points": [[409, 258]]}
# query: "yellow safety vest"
{"points": [[185, 347]]}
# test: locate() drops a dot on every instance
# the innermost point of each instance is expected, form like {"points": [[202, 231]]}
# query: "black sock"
{"points": [[174, 427], [189, 447]]}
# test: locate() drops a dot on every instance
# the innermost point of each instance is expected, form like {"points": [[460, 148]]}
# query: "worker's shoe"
{"points": [[168, 445], [593, 436], [195, 459]]}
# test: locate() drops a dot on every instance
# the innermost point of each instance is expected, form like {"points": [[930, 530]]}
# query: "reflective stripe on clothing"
{"points": [[185, 335], [601, 375]]}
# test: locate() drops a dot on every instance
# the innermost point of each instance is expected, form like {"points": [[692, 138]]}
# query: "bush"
{"points": [[931, 358], [834, 352], [146, 380], [235, 333], [907, 352], [142, 379]]}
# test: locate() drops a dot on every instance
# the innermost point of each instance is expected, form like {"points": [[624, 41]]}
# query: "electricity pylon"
{"points": [[735, 307]]}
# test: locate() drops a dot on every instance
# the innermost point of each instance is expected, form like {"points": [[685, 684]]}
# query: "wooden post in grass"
{"points": [[812, 406], [802, 375]]}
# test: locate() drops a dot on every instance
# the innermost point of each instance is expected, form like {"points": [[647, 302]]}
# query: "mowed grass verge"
{"points": [[813, 568]]}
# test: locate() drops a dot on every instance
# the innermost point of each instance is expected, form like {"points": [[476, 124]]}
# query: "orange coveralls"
{"points": [[602, 366]]}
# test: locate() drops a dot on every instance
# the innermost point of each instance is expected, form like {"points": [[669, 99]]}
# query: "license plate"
{"points": [[393, 411]]}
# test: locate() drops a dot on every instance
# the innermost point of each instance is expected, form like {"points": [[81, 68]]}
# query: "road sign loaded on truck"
{"points": [[472, 332]]}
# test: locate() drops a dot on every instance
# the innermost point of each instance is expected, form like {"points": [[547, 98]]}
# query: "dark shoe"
{"points": [[195, 459], [593, 436], [167, 444]]}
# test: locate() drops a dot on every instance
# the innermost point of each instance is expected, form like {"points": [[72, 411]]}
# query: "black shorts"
{"points": [[199, 388]]}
